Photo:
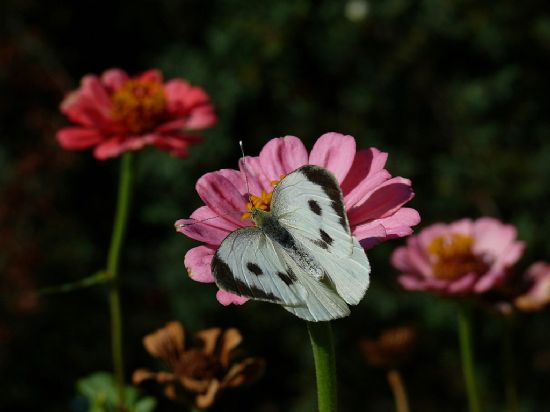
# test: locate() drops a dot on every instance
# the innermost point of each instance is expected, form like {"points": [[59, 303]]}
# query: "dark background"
{"points": [[456, 92]]}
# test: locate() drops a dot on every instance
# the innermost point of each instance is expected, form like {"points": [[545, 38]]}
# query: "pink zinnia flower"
{"points": [[116, 113], [458, 258], [538, 295], [373, 199]]}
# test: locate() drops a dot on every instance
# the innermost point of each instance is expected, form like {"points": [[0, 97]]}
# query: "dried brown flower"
{"points": [[201, 371], [391, 348], [537, 297]]}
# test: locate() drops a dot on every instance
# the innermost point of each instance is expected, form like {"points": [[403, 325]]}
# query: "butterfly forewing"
{"points": [[309, 204]]}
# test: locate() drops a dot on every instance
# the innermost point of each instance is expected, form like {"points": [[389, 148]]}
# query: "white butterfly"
{"points": [[301, 254]]}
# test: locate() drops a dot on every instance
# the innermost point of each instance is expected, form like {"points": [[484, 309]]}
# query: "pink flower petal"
{"points": [[78, 138], [464, 226], [152, 75], [201, 118], [226, 298], [335, 152], [281, 156], [173, 126], [370, 235], [397, 225], [198, 263], [177, 146], [462, 285], [191, 102], [235, 177], [363, 190], [384, 201], [489, 280], [82, 110], [419, 258], [206, 226], [108, 148], [222, 196], [257, 180], [400, 259], [93, 90], [366, 164], [492, 236], [114, 79], [137, 142], [411, 282]]}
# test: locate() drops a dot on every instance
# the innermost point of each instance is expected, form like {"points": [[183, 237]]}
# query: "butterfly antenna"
{"points": [[181, 225], [245, 175]]}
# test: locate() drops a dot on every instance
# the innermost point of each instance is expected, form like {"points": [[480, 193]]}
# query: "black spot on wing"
{"points": [[314, 206], [255, 292], [323, 178], [226, 280], [223, 274], [289, 277], [254, 268], [321, 243], [326, 237]]}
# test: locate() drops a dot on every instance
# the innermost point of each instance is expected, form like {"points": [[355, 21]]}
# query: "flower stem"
{"points": [[512, 404], [322, 344], [95, 279], [466, 354], [398, 389], [119, 229]]}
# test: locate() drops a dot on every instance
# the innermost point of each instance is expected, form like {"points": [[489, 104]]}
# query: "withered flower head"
{"points": [[391, 348], [201, 371], [538, 294]]}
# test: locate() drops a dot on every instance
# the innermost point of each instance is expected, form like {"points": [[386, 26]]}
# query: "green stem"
{"points": [[322, 344], [119, 229], [508, 366], [95, 279], [466, 353]]}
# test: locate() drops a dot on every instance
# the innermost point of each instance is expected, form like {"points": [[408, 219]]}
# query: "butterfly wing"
{"points": [[249, 264], [309, 204]]}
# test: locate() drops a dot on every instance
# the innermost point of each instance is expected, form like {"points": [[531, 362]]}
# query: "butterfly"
{"points": [[300, 254]]}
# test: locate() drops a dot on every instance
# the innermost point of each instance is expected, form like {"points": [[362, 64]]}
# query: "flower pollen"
{"points": [[139, 105], [262, 202], [454, 257]]}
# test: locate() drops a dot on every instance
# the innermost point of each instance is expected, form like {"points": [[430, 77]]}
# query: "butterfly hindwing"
{"points": [[246, 264], [249, 264]]}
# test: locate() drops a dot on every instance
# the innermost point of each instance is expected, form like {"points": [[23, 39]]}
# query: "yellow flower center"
{"points": [[139, 105], [262, 202], [454, 257]]}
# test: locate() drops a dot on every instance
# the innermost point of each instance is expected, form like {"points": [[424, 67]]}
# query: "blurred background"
{"points": [[455, 91]]}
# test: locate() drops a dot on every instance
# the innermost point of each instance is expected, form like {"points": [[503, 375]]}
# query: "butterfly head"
{"points": [[258, 216]]}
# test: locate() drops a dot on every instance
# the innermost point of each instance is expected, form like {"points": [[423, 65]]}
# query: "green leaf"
{"points": [[99, 389]]}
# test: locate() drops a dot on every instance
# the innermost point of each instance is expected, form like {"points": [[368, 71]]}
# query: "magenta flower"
{"points": [[538, 295], [116, 113], [458, 258], [374, 200]]}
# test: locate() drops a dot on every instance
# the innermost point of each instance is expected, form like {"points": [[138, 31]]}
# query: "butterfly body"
{"points": [[300, 254]]}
